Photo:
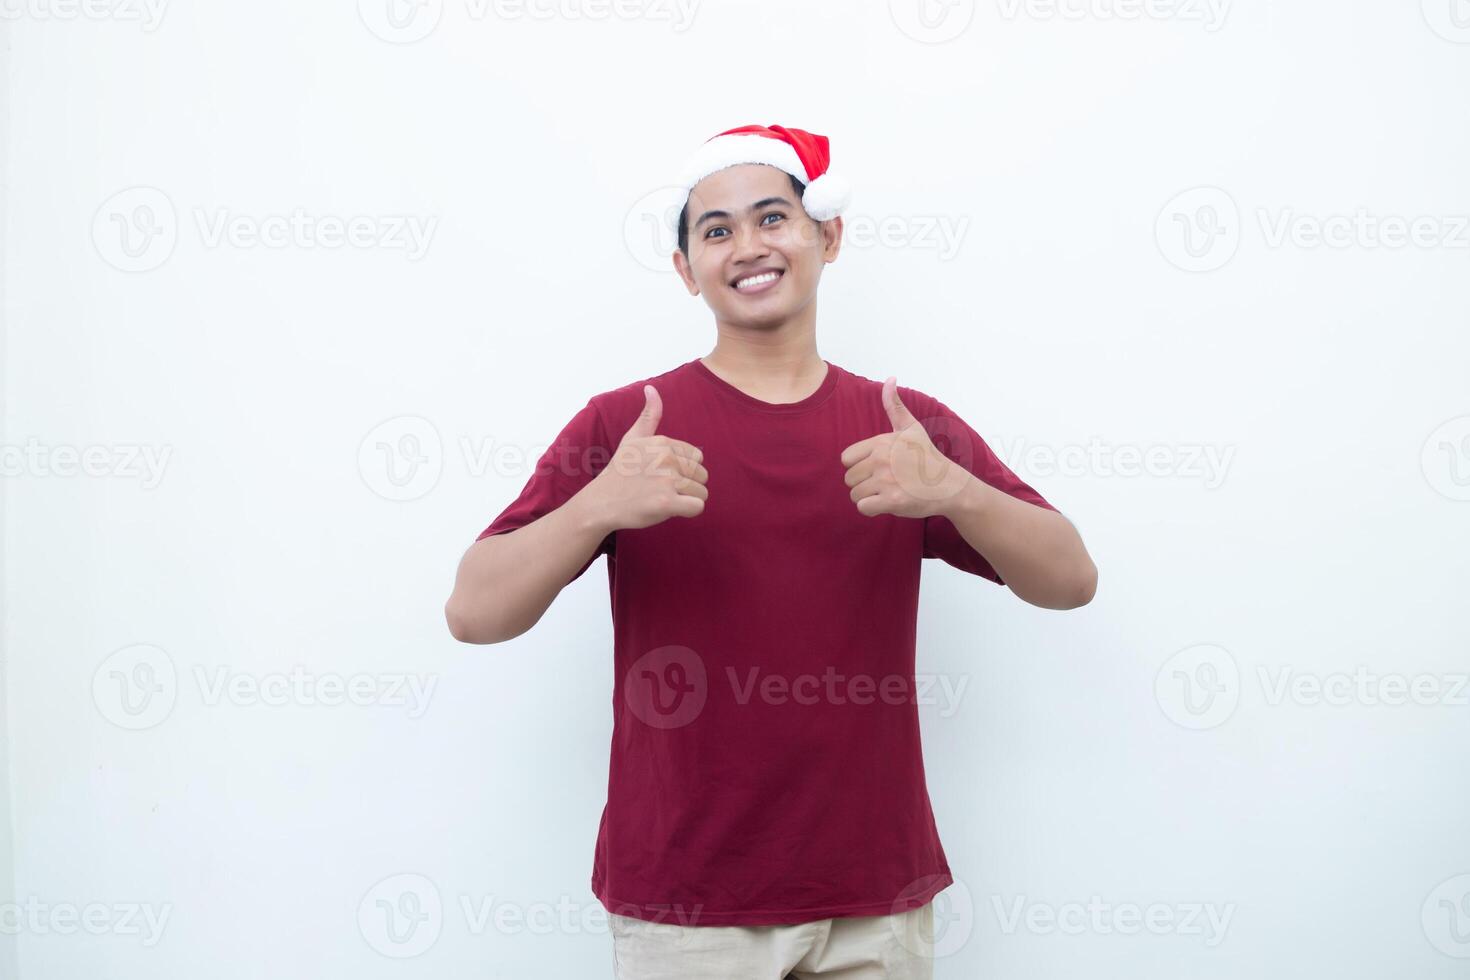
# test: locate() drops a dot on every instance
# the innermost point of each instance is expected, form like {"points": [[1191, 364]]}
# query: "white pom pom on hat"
{"points": [[803, 155]]}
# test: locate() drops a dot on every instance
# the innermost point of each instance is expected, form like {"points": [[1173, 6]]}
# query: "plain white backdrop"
{"points": [[295, 292]]}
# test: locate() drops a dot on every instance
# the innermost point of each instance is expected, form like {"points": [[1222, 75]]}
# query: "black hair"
{"points": [[796, 185]]}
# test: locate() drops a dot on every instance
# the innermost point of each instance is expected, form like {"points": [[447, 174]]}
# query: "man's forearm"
{"points": [[507, 581], [1036, 551]]}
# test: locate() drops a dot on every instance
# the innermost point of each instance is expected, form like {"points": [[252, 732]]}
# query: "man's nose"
{"points": [[749, 244]]}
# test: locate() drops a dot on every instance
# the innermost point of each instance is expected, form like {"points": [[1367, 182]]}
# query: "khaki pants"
{"points": [[869, 947]]}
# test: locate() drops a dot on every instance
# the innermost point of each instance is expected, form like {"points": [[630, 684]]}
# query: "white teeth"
{"points": [[764, 277]]}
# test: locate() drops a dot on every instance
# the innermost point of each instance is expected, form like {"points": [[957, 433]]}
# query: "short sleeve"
{"points": [[579, 453], [952, 436]]}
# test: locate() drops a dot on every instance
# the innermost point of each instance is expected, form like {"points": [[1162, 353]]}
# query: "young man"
{"points": [[765, 513]]}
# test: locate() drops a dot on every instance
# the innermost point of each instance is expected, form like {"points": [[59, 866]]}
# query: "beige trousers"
{"points": [[869, 947]]}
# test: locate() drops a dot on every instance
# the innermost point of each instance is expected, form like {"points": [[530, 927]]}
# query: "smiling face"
{"points": [[754, 255]]}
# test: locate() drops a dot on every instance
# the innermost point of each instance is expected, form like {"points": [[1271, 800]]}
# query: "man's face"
{"points": [[754, 254]]}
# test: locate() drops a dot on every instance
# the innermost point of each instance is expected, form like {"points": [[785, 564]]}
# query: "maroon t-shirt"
{"points": [[766, 766]]}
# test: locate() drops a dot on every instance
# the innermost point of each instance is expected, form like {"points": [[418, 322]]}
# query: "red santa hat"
{"points": [[803, 155]]}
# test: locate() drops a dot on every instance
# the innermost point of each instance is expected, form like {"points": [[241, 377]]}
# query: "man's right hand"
{"points": [[650, 478]]}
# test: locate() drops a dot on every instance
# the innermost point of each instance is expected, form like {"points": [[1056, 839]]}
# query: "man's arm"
{"points": [[1034, 550], [1037, 552], [506, 582]]}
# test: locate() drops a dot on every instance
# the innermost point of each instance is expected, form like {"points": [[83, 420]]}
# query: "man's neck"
{"points": [[770, 368]]}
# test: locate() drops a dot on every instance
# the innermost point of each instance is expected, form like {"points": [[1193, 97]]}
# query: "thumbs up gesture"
{"points": [[901, 472], [650, 477]]}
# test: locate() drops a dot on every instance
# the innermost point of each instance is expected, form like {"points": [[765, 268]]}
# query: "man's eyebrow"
{"points": [[764, 202]]}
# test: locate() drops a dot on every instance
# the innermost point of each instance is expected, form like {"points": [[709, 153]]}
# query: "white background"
{"points": [[324, 419]]}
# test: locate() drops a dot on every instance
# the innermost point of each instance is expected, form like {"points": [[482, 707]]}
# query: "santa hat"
{"points": [[801, 154]]}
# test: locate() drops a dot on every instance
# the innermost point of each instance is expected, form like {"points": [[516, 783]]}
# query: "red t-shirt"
{"points": [[766, 766]]}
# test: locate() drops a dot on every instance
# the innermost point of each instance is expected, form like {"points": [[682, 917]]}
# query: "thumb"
{"points": [[647, 422], [898, 415]]}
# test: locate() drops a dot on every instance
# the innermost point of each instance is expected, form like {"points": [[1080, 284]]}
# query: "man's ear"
{"points": [[831, 238], [681, 266]]}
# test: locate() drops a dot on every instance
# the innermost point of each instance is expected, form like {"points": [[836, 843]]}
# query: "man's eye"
{"points": [[710, 232], [773, 214]]}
